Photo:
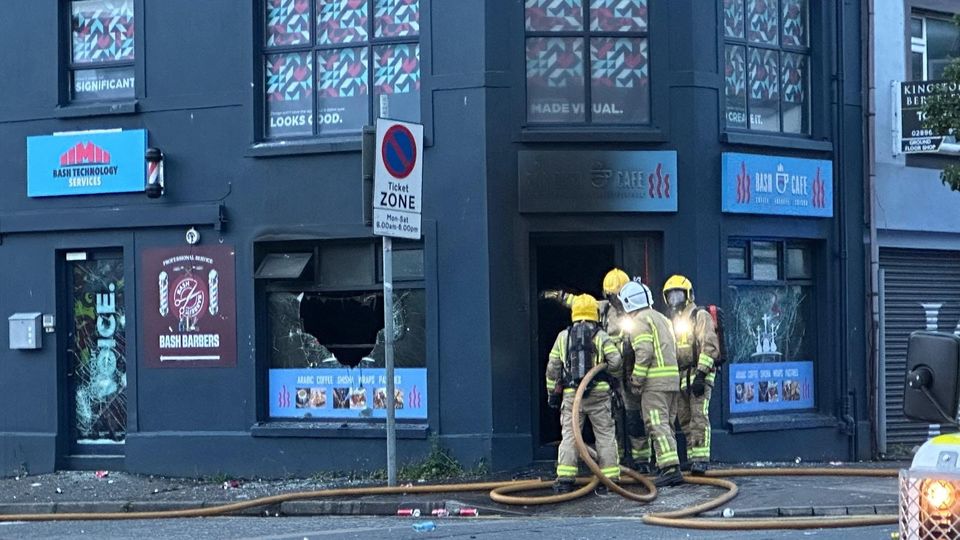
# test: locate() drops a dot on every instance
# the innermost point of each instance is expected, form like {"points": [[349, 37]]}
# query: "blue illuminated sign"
{"points": [[771, 386], [85, 163], [344, 393], [755, 184]]}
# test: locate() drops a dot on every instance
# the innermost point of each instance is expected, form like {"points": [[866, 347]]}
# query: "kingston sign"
{"points": [[84, 163]]}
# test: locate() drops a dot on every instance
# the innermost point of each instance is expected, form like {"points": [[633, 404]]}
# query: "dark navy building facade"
{"points": [[232, 321]]}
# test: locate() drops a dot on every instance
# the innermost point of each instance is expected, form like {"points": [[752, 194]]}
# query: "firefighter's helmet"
{"points": [[677, 291], [614, 281], [585, 308]]}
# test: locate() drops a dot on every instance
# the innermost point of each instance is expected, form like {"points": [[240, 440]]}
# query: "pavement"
{"points": [[759, 496]]}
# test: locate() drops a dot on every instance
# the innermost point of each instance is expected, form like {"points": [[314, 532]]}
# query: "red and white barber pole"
{"points": [[154, 158]]}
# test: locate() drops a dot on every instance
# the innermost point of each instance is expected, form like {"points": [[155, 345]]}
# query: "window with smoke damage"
{"points": [[770, 325], [326, 343], [102, 50]]}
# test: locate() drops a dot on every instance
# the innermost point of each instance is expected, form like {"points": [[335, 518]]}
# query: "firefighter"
{"points": [[576, 351], [655, 378], [698, 348], [615, 322]]}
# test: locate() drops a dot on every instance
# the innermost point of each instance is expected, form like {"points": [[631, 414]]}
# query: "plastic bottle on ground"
{"points": [[424, 526]]}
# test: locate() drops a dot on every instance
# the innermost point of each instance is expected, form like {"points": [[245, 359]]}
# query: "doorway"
{"points": [[575, 264], [95, 359]]}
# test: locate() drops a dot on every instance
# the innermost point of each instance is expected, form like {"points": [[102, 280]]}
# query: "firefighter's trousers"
{"points": [[659, 409], [694, 415], [596, 408], [639, 450]]}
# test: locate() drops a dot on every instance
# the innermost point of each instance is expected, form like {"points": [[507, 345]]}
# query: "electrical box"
{"points": [[25, 331]]}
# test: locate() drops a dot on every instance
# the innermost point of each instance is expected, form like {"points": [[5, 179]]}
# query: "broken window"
{"points": [[326, 336]]}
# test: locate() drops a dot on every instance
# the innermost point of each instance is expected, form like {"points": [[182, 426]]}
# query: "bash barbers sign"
{"points": [[189, 307], [913, 137], [604, 181], [86, 162]]}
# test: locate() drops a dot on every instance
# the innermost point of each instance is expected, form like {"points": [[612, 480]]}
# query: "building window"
{"points": [[332, 66], [605, 38], [767, 65], [102, 51], [771, 325], [934, 43], [326, 330]]}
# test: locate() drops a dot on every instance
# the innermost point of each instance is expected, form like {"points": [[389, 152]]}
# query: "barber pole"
{"points": [[164, 284]]}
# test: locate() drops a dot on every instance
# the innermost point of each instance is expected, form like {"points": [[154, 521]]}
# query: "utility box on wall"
{"points": [[25, 331]]}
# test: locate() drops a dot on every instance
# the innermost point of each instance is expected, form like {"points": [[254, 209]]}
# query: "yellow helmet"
{"points": [[614, 281], [678, 282], [585, 308]]}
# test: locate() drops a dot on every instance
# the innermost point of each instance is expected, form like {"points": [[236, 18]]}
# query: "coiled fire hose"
{"points": [[499, 493], [681, 518]]}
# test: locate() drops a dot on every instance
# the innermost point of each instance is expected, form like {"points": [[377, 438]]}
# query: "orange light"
{"points": [[939, 494]]}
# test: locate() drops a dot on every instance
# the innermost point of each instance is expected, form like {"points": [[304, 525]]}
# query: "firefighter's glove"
{"points": [[699, 384], [554, 399], [615, 385], [550, 295]]}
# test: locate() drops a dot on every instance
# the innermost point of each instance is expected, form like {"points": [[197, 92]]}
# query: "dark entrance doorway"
{"points": [[575, 264], [95, 359]]}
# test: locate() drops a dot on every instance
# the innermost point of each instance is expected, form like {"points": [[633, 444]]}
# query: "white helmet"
{"points": [[635, 296]]}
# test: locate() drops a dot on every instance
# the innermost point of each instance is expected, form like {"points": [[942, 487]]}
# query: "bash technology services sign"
{"points": [[85, 163], [189, 307]]}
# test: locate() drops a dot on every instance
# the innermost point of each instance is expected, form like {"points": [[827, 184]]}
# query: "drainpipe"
{"points": [[873, 253]]}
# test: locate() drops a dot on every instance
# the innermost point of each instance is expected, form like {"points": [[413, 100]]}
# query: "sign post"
{"points": [[396, 213]]}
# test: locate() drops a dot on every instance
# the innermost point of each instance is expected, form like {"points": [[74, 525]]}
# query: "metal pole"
{"points": [[388, 357]]}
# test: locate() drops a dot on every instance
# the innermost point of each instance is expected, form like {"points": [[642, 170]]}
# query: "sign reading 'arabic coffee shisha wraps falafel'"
{"points": [[189, 308]]}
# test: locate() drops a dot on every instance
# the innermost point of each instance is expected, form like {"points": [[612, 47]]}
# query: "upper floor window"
{"points": [[767, 65], [607, 39], [332, 66], [102, 36], [934, 43]]}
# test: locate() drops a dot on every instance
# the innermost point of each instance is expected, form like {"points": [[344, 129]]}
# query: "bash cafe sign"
{"points": [[189, 308], [86, 163], [777, 185]]}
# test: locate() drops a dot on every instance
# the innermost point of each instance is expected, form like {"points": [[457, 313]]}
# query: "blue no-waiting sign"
{"points": [[398, 179], [399, 151]]}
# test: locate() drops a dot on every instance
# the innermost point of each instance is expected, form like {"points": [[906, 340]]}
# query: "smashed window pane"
{"points": [[336, 330]]}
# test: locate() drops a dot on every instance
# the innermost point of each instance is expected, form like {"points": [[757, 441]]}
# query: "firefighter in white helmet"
{"points": [[576, 351], [655, 378]]}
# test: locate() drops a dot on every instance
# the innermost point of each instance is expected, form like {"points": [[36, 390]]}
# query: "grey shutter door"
{"points": [[920, 290]]}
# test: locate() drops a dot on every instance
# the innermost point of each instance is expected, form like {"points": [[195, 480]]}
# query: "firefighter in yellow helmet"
{"points": [[615, 322], [655, 378], [577, 349], [697, 349]]}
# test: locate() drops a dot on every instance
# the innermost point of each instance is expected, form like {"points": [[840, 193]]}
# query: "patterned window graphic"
{"points": [[767, 65], [343, 48], [566, 39], [102, 51]]}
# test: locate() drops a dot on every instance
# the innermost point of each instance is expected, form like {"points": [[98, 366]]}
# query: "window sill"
{"points": [[294, 148], [97, 109], [781, 422], [776, 141], [337, 430], [592, 134]]}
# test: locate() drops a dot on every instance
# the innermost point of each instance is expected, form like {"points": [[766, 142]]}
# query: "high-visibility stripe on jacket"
{"points": [[701, 336], [655, 350]]}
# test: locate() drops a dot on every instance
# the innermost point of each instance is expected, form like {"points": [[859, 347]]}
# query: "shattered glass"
{"points": [[98, 351], [353, 324]]}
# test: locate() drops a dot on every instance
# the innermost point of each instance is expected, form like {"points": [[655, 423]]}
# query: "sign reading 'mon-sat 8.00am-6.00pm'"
{"points": [[398, 179]]}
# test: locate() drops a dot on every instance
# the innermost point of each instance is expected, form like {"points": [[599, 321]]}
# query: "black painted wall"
{"points": [[196, 102]]}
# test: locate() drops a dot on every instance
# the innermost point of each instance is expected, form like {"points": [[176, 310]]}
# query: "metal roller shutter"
{"points": [[920, 289]]}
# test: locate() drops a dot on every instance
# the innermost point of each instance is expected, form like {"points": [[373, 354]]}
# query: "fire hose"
{"points": [[500, 492]]}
